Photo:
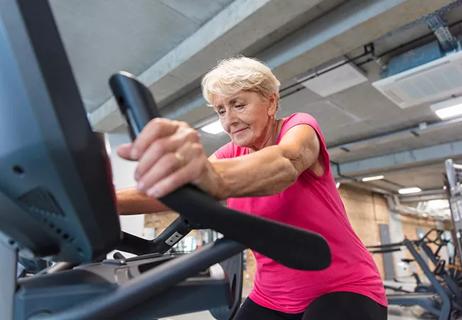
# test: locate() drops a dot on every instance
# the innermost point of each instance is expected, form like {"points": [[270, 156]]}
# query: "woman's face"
{"points": [[247, 118]]}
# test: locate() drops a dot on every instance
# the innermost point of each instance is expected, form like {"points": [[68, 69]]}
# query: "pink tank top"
{"points": [[312, 203]]}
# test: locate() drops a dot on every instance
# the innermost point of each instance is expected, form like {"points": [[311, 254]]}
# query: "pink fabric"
{"points": [[312, 203]]}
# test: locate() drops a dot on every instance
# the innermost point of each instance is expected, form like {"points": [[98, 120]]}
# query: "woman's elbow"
{"points": [[290, 176]]}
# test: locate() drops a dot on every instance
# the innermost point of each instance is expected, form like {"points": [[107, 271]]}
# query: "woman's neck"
{"points": [[270, 137]]}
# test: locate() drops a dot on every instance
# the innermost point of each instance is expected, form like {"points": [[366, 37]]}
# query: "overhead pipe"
{"points": [[394, 205], [439, 26]]}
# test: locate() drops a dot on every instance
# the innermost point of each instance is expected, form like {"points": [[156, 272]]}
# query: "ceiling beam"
{"points": [[398, 160], [338, 152]]}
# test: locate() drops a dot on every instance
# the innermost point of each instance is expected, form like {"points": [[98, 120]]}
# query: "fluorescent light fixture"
{"points": [[409, 190], [213, 127], [448, 109], [365, 179], [341, 77]]}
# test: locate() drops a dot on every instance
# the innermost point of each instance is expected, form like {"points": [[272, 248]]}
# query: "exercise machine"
{"points": [[57, 202], [442, 296], [453, 182]]}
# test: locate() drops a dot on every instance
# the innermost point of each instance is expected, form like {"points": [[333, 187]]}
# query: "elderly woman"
{"points": [[274, 168]]}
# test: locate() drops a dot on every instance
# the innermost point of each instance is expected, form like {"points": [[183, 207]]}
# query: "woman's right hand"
{"points": [[169, 155]]}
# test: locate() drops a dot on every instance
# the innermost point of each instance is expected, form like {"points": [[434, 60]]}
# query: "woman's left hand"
{"points": [[169, 155]]}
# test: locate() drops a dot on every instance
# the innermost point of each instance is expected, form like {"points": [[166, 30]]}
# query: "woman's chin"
{"points": [[240, 142]]}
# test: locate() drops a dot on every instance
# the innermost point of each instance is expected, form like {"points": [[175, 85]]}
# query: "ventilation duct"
{"points": [[422, 210], [422, 75], [439, 26]]}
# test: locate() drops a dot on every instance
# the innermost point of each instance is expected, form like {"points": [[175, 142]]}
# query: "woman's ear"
{"points": [[273, 104]]}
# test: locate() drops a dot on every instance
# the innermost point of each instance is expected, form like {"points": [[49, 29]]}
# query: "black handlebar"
{"points": [[176, 231]]}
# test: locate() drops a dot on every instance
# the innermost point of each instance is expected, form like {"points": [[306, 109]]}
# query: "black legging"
{"points": [[332, 306]]}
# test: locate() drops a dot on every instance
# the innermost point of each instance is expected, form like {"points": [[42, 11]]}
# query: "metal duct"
{"points": [[395, 205], [439, 26]]}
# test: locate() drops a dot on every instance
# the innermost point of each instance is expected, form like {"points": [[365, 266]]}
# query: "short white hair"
{"points": [[239, 74]]}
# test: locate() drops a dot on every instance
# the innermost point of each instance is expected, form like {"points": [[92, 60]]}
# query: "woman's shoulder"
{"points": [[297, 119]]}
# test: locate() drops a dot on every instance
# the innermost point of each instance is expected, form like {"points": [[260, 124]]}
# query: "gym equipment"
{"points": [[453, 182], [443, 296], [57, 202]]}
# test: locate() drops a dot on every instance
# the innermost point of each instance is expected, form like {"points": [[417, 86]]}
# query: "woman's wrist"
{"points": [[212, 183], [131, 201]]}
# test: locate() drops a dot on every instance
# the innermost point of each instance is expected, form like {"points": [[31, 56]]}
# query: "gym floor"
{"points": [[395, 313]]}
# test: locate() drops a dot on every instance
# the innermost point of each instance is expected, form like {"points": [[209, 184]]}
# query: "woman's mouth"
{"points": [[239, 130]]}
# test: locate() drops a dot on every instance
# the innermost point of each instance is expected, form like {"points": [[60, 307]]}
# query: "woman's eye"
{"points": [[221, 112], [239, 106]]}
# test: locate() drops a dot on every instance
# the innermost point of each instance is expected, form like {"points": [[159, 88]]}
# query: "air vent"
{"points": [[41, 201], [437, 80]]}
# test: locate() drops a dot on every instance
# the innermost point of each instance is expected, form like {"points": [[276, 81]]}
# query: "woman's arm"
{"points": [[169, 155], [131, 201], [269, 170]]}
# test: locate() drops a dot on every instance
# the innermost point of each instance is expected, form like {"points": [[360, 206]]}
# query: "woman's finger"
{"points": [[172, 182], [165, 166], [153, 154], [163, 146], [154, 130], [124, 151]]}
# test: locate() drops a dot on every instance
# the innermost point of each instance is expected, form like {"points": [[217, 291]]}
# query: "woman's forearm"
{"points": [[264, 173], [269, 170], [131, 201]]}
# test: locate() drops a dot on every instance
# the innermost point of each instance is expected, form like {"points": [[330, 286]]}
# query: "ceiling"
{"points": [[113, 35], [170, 44]]}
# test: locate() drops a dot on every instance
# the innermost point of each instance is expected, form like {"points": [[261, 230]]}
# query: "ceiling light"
{"points": [[337, 185], [365, 179], [409, 190], [448, 109], [213, 128]]}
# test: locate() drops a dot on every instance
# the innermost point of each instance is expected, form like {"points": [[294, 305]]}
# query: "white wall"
{"points": [[122, 171]]}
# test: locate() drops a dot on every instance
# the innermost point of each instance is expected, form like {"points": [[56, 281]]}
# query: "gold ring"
{"points": [[180, 158]]}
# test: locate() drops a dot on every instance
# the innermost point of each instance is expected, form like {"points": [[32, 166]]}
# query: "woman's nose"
{"points": [[228, 119]]}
